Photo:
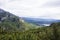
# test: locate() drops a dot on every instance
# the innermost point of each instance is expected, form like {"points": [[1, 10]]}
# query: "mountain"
{"points": [[40, 21], [10, 22]]}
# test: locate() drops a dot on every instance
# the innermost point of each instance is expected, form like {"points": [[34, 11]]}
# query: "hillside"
{"points": [[11, 22], [8, 21], [44, 33]]}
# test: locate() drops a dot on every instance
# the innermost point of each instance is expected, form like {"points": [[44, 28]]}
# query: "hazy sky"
{"points": [[33, 8]]}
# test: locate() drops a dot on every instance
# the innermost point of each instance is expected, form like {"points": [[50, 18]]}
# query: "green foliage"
{"points": [[43, 33]]}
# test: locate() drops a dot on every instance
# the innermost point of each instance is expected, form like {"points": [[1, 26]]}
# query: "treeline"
{"points": [[51, 32]]}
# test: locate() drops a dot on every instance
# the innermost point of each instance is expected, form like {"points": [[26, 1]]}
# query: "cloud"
{"points": [[55, 3], [24, 8], [33, 8]]}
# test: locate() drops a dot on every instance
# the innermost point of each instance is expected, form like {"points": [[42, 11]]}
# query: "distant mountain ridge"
{"points": [[40, 21]]}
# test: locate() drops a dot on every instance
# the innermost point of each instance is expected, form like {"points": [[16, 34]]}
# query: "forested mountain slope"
{"points": [[10, 22], [44, 33]]}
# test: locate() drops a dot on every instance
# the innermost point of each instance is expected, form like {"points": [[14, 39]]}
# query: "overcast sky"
{"points": [[33, 8]]}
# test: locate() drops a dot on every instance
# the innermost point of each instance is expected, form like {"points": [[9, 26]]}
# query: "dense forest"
{"points": [[51, 32], [15, 28]]}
